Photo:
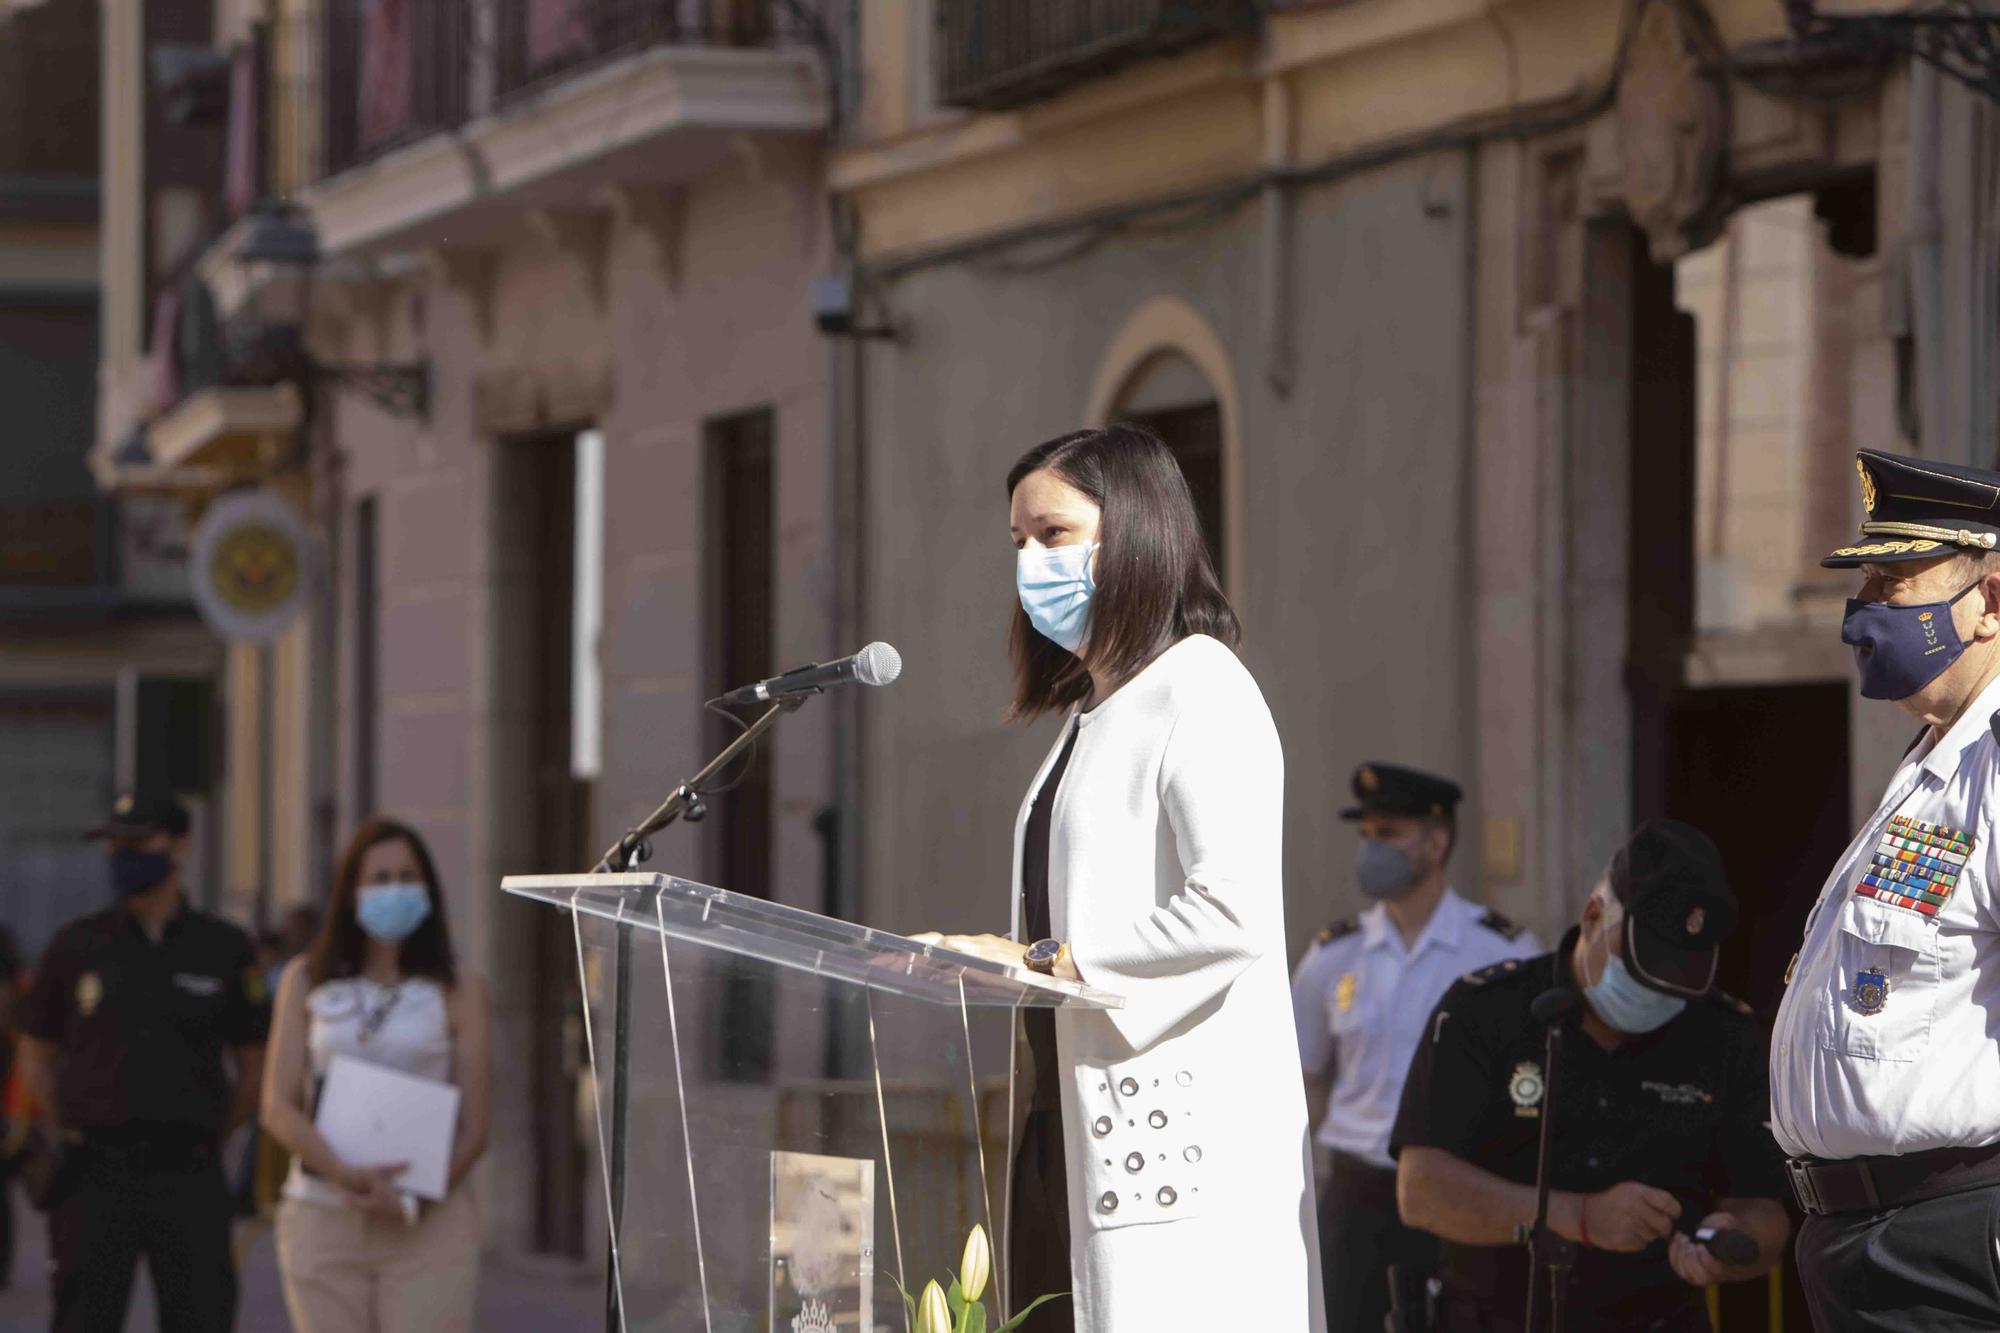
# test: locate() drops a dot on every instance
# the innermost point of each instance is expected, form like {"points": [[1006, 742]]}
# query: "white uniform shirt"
{"points": [[1361, 1000], [1862, 1071]]}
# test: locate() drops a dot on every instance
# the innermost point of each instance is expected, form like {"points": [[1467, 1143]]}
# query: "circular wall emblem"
{"points": [[250, 565]]}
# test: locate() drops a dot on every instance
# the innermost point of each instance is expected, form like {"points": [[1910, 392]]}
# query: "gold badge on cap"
{"points": [[1867, 485], [89, 994], [1696, 919], [1367, 779]]}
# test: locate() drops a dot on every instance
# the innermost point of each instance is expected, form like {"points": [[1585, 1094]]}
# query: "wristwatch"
{"points": [[1043, 955]]}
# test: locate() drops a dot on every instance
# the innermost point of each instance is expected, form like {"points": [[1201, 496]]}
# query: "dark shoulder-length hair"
{"points": [[1156, 584], [341, 945]]}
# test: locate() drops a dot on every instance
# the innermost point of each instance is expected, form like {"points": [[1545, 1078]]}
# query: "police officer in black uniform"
{"points": [[1661, 1098], [144, 1036]]}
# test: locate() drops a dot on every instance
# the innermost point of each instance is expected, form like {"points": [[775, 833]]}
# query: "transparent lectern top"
{"points": [[791, 937]]}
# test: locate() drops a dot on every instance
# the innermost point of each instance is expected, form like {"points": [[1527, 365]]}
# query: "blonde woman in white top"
{"points": [[380, 984], [1147, 861]]}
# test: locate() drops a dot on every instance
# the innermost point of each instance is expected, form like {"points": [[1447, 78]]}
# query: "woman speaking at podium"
{"points": [[1164, 1173]]}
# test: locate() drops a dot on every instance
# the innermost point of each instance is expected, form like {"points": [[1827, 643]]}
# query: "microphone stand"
{"points": [[684, 802], [1546, 1249]]}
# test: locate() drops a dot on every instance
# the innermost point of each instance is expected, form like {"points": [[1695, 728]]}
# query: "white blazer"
{"points": [[1184, 1116]]}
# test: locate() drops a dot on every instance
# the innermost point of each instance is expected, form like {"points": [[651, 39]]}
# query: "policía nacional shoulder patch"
{"points": [[1916, 865]]}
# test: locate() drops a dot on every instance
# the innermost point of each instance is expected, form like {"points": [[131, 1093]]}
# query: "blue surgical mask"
{"points": [[1622, 1001], [1900, 649], [1382, 870], [391, 913], [1056, 587]]}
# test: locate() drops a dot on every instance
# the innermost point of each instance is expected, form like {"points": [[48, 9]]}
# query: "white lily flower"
{"points": [[975, 1266], [933, 1311]]}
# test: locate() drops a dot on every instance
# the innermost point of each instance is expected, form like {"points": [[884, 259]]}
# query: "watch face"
{"points": [[1043, 951]]}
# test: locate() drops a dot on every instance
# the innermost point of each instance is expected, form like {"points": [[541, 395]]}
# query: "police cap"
{"points": [[1919, 510], [1386, 789], [1678, 907], [137, 814]]}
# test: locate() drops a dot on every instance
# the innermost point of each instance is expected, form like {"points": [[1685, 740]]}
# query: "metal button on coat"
{"points": [[1129, 1086], [1192, 1152], [1101, 1126], [1107, 1202], [1184, 1078], [1167, 1196], [1134, 1161], [1158, 1120]]}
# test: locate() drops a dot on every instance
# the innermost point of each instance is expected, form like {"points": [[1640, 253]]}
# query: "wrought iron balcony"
{"points": [[1001, 53], [392, 74], [546, 39]]}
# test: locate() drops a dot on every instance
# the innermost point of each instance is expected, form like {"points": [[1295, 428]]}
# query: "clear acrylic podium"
{"points": [[790, 1110]]}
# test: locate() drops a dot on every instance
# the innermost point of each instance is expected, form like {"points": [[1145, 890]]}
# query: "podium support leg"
{"points": [[888, 1161], [621, 1030]]}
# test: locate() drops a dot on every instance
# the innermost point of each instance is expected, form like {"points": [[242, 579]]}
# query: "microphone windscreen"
{"points": [[1552, 1004], [877, 664]]}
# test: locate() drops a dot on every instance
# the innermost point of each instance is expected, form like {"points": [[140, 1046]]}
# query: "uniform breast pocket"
{"points": [[1146, 1130], [1885, 989]]}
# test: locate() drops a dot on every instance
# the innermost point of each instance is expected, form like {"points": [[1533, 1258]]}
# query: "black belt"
{"points": [[1859, 1184]]}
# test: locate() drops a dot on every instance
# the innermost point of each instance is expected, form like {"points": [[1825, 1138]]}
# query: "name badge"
{"points": [[196, 984]]}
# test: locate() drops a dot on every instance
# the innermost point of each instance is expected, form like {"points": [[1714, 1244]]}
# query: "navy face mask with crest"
{"points": [[1900, 649]]}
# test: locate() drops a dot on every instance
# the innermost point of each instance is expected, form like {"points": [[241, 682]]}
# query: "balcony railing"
{"points": [[1000, 53], [395, 71], [545, 39]]}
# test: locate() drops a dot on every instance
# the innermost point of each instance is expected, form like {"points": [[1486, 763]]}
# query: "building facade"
{"points": [[560, 436]]}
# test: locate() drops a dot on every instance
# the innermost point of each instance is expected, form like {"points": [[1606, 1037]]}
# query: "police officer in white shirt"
{"points": [[1360, 999], [1885, 1062]]}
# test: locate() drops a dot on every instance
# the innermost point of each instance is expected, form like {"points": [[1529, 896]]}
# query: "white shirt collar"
{"points": [[1943, 758], [1445, 929]]}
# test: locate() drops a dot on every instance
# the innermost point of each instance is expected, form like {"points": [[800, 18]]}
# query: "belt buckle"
{"points": [[1802, 1186]]}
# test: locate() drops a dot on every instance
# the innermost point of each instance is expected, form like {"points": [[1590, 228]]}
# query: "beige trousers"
{"points": [[346, 1272]]}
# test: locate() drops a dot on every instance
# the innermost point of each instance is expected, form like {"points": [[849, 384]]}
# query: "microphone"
{"points": [[1728, 1245], [1550, 1006], [877, 664]]}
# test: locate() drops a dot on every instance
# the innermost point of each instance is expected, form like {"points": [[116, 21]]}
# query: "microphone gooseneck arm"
{"points": [[1549, 1255], [685, 800]]}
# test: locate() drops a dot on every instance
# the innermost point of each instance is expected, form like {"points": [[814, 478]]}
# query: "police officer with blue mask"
{"points": [[1659, 1106], [1885, 1076], [1359, 1001]]}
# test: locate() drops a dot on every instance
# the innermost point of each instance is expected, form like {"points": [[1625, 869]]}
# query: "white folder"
{"points": [[372, 1115]]}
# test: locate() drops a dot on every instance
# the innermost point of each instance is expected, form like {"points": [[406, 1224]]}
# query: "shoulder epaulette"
{"points": [[1492, 972], [1717, 995], [1338, 930], [1500, 925]]}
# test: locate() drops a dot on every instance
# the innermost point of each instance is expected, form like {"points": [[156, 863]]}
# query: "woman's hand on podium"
{"points": [[995, 949]]}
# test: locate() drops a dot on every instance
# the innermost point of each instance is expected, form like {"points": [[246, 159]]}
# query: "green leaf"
{"points": [[1015, 1322], [909, 1301], [955, 1298], [974, 1318]]}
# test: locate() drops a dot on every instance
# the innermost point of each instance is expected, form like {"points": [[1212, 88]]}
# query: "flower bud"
{"points": [[975, 1266], [933, 1312]]}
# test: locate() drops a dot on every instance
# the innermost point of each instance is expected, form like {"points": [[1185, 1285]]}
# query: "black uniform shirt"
{"points": [[1683, 1109], [141, 1028]]}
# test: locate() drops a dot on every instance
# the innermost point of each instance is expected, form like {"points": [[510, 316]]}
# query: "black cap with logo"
{"points": [[1386, 789], [1678, 907], [138, 814]]}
